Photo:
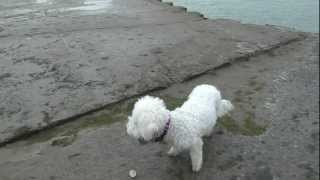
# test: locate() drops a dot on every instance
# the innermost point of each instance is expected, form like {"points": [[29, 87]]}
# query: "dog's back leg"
{"points": [[196, 155]]}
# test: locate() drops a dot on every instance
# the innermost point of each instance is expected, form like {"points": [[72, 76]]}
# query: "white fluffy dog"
{"points": [[182, 128]]}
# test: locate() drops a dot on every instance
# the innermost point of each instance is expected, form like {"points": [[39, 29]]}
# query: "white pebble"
{"points": [[132, 173]]}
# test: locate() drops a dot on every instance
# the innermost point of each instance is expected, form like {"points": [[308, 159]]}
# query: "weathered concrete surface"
{"points": [[64, 58], [279, 90]]}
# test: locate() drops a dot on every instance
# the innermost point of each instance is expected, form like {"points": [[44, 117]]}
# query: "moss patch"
{"points": [[118, 112], [251, 128], [63, 141], [173, 102], [248, 128], [229, 124], [107, 116]]}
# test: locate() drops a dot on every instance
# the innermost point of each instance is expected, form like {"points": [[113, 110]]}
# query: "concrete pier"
{"points": [[62, 60]]}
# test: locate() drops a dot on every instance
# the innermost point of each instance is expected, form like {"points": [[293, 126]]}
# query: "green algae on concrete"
{"points": [[63, 141], [173, 102], [66, 134], [247, 128], [251, 128], [229, 124], [109, 115]]}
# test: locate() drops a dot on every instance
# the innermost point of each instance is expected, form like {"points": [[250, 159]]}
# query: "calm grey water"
{"points": [[299, 14]]}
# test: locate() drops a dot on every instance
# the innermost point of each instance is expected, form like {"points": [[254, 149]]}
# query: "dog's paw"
{"points": [[196, 168], [172, 152], [196, 165]]}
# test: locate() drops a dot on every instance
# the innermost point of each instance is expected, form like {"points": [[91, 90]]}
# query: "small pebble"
{"points": [[132, 173]]}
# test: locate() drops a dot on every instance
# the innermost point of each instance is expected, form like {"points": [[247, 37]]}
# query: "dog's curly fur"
{"points": [[189, 123]]}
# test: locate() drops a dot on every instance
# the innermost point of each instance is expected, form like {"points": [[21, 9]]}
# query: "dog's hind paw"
{"points": [[196, 169]]}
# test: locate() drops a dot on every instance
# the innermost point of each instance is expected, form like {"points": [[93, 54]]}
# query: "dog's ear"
{"points": [[149, 132]]}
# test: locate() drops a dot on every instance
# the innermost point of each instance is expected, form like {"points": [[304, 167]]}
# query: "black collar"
{"points": [[165, 131]]}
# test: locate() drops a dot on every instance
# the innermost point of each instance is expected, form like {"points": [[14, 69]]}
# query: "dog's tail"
{"points": [[223, 107]]}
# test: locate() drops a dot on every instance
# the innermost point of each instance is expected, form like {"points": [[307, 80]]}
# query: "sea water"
{"points": [[302, 15]]}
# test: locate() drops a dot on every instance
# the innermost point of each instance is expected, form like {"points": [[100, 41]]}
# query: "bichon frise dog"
{"points": [[182, 128]]}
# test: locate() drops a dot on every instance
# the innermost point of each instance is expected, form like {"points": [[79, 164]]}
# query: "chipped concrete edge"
{"points": [[184, 9]]}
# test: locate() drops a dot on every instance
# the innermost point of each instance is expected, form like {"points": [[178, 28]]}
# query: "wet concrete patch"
{"points": [[261, 173], [310, 173], [5, 75], [230, 163]]}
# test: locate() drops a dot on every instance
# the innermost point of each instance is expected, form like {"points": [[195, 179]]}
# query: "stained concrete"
{"points": [[280, 89], [60, 59]]}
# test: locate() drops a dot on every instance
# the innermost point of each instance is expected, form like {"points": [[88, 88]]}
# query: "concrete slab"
{"points": [[60, 59], [273, 133]]}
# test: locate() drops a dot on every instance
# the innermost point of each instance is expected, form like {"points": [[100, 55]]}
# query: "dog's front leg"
{"points": [[196, 155], [173, 151]]}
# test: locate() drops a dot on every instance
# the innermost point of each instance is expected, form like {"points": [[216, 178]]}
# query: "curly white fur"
{"points": [[189, 123]]}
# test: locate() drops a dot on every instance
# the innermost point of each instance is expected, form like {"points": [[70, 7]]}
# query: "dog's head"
{"points": [[147, 119]]}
